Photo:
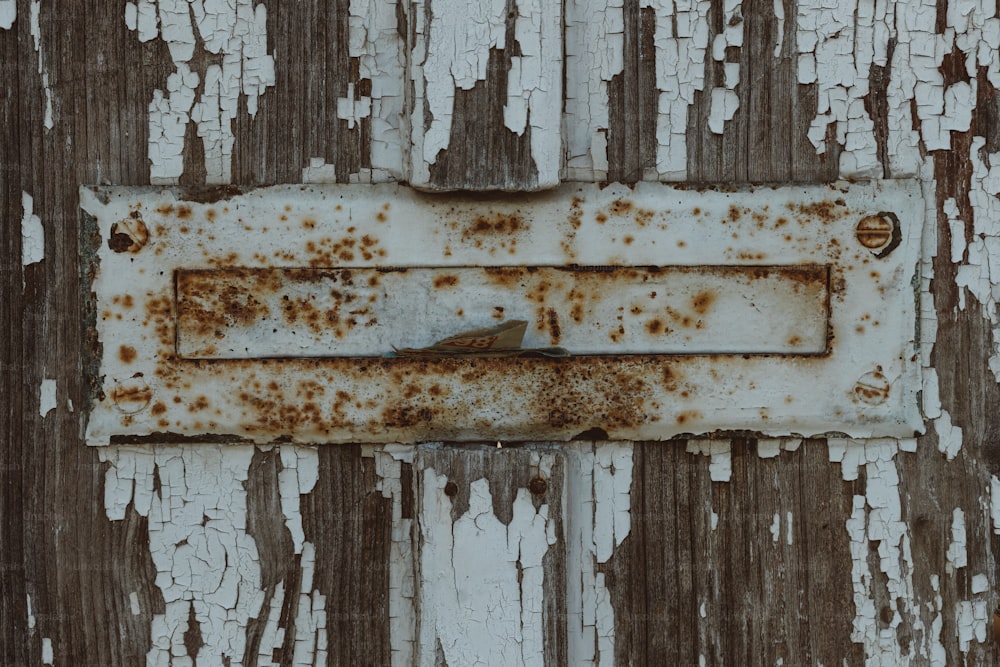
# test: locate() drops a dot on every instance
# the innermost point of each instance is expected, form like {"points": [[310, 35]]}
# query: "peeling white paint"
{"points": [[877, 518], [319, 171], [775, 527], [598, 482], [133, 603], [724, 101], [235, 32], [769, 448], [995, 503], [481, 586], [949, 436], [48, 655], [310, 618], [957, 555], [376, 43], [594, 56], [46, 397], [720, 465], [8, 13], [402, 583], [970, 622], [203, 556], [463, 33], [451, 54], [298, 476], [32, 232], [979, 274], [31, 617], [789, 533], [36, 38]]}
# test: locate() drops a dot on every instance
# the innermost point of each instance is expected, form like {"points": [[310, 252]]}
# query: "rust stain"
{"points": [[127, 354], [620, 207], [688, 416], [441, 282], [184, 212], [702, 301]]}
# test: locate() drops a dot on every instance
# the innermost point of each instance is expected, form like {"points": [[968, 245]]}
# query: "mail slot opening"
{"points": [[255, 313]]}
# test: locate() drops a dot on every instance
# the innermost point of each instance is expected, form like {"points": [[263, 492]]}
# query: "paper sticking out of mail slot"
{"points": [[503, 340]]}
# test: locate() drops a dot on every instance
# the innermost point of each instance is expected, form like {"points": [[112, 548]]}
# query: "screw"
{"points": [[450, 489], [872, 388], [128, 235], [132, 395], [538, 486], [875, 231]]}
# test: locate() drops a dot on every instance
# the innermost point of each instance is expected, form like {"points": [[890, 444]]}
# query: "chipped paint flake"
{"points": [[46, 397], [36, 38], [8, 13], [133, 603], [949, 436], [957, 555], [234, 35], [32, 233], [48, 655], [720, 465], [319, 171], [775, 527]]}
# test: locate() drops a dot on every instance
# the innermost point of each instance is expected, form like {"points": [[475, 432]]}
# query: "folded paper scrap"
{"points": [[499, 341]]}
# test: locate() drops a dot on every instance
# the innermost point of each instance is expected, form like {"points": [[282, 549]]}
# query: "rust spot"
{"points": [[576, 312], [183, 212], [628, 240], [824, 211], [381, 217], [199, 404], [308, 223], [702, 301], [555, 332], [445, 281], [158, 408], [451, 489], [656, 326], [210, 214], [794, 341], [601, 218], [165, 209], [127, 354], [696, 211], [538, 486], [620, 207], [734, 213], [688, 416]]}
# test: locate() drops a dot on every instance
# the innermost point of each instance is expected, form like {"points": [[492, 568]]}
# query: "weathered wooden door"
{"points": [[712, 548]]}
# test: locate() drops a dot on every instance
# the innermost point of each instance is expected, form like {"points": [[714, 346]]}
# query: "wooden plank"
{"points": [[491, 565], [486, 101], [703, 574]]}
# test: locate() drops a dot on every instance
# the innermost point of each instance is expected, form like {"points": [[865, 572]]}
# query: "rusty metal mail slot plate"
{"points": [[281, 313], [269, 315]]}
